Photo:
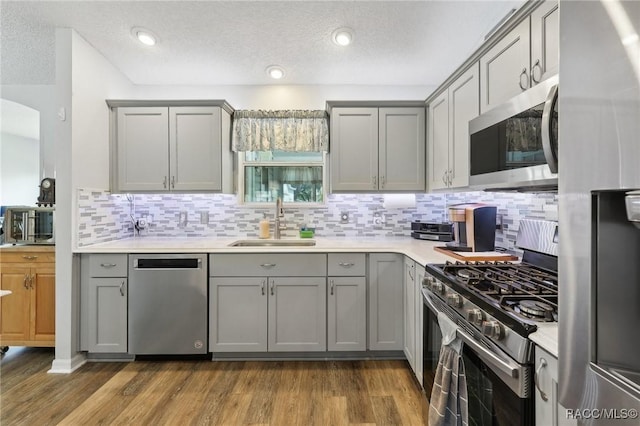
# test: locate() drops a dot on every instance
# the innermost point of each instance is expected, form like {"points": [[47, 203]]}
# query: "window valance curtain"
{"points": [[291, 130]]}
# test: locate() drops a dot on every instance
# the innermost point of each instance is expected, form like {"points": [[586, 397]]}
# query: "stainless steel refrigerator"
{"points": [[599, 150]]}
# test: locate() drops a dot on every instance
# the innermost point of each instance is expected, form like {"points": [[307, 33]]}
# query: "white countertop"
{"points": [[419, 250], [546, 336]]}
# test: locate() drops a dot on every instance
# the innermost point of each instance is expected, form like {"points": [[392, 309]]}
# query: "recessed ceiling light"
{"points": [[144, 36], [342, 36], [275, 71]]}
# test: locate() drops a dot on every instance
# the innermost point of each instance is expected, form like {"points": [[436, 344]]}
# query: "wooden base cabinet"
{"points": [[27, 315]]}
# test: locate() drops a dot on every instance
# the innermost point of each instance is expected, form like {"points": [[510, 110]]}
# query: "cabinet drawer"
{"points": [[108, 265], [268, 264], [346, 264], [28, 257]]}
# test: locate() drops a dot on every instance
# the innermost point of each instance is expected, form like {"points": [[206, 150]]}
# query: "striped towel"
{"points": [[448, 405]]}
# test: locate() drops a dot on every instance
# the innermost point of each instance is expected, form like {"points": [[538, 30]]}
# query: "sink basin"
{"points": [[273, 243]]}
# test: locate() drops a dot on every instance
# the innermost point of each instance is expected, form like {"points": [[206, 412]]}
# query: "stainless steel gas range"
{"points": [[495, 306]]}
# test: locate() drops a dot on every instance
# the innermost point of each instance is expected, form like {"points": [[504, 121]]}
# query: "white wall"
{"points": [[276, 97], [42, 98], [19, 170]]}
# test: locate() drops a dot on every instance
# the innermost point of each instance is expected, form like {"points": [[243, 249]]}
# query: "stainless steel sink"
{"points": [[273, 243]]}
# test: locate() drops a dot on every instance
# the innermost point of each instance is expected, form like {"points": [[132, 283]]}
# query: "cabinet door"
{"points": [[409, 308], [438, 127], [297, 314], [464, 105], [107, 320], [419, 323], [504, 69], [15, 308], [354, 149], [385, 301], [143, 149], [43, 303], [545, 41], [347, 314], [238, 314], [195, 148], [401, 149]]}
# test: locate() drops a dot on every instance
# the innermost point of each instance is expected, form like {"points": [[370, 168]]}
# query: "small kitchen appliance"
{"points": [[495, 306], [474, 227], [432, 231], [29, 225]]}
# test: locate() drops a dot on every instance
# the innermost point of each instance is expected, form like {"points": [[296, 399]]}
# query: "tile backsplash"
{"points": [[104, 217]]}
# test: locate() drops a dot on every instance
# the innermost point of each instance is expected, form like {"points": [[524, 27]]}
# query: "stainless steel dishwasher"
{"points": [[167, 304]]}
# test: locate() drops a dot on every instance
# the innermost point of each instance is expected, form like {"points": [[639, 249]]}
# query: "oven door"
{"points": [[491, 379]]}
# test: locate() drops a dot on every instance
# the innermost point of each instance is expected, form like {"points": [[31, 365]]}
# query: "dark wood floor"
{"points": [[205, 392]]}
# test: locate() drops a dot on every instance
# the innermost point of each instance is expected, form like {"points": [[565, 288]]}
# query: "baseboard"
{"points": [[67, 366]]}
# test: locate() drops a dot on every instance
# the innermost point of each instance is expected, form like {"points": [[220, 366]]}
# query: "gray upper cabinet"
{"points": [[377, 149], [171, 148], [448, 137], [545, 41], [525, 56], [386, 316]]}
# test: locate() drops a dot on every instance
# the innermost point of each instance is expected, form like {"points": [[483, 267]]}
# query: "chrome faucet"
{"points": [[279, 214]]}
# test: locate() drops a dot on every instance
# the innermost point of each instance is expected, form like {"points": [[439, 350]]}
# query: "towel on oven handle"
{"points": [[449, 404]]}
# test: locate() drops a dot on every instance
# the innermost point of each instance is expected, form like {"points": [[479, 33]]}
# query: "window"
{"points": [[296, 177]]}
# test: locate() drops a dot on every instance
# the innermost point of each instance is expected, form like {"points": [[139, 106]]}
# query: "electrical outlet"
{"points": [[378, 219], [344, 217], [204, 217]]}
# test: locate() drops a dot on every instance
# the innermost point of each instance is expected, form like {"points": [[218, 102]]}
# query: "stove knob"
{"points": [[427, 281], [455, 300], [475, 316], [437, 287], [493, 329]]}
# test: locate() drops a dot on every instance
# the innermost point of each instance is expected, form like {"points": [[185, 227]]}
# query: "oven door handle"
{"points": [[510, 368]]}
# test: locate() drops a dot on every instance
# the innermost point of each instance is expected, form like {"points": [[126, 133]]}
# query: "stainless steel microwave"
{"points": [[29, 225], [515, 145]]}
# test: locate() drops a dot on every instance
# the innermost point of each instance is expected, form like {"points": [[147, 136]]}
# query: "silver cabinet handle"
{"points": [[173, 182], [24, 281], [262, 285], [450, 177], [533, 72], [32, 280], [164, 182], [526, 79], [346, 264], [536, 380], [332, 285], [444, 178], [411, 275], [272, 285], [29, 257], [383, 181], [375, 182], [268, 265], [108, 265], [122, 289]]}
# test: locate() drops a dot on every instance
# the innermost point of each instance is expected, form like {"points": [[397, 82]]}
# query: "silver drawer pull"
{"points": [[108, 265], [268, 265], [122, 289], [536, 378], [332, 286], [346, 264], [30, 257]]}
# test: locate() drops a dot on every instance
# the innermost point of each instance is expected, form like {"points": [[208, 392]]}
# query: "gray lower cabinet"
{"points": [[347, 302], [419, 367], [104, 303], [268, 302], [409, 308], [386, 301]]}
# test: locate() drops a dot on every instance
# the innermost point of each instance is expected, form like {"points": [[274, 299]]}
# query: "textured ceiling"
{"points": [[232, 42]]}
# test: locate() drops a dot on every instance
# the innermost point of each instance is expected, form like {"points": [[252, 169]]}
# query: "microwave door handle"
{"points": [[546, 130]]}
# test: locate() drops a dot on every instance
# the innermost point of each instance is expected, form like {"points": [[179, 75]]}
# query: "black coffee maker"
{"points": [[474, 227]]}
